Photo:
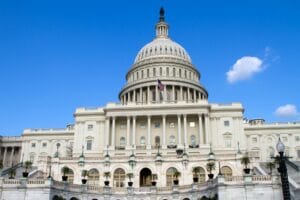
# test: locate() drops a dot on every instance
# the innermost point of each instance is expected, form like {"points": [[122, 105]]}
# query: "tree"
{"points": [[270, 166]]}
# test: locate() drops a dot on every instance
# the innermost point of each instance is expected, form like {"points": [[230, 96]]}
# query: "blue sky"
{"points": [[56, 56]]}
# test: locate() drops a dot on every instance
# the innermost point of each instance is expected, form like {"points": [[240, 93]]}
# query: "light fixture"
{"points": [[132, 161], [280, 146], [158, 159], [106, 158], [211, 155], [185, 158], [81, 158]]}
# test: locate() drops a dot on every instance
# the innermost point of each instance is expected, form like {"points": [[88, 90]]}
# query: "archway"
{"points": [[226, 171], [145, 177]]}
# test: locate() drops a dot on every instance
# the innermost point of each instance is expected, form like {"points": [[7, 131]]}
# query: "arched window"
{"points": [[143, 141], [226, 171], [157, 141], [70, 175], [172, 140], [93, 177], [170, 175], [119, 177], [122, 141]]}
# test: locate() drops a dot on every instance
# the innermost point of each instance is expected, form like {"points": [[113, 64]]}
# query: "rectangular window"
{"points": [[172, 125], [298, 153], [32, 145], [156, 124], [44, 144], [192, 124], [90, 127], [143, 125], [89, 145], [284, 139], [226, 123], [123, 125], [297, 138], [254, 140]]}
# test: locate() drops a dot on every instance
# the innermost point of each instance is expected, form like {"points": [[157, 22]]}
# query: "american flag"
{"points": [[160, 85]]}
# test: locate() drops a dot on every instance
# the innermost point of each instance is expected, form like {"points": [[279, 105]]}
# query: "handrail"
{"points": [[6, 171], [293, 165]]}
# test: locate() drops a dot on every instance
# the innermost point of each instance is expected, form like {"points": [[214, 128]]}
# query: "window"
{"points": [[227, 139], [44, 144], [157, 141], [193, 140], [90, 127], [119, 178], [226, 123], [160, 71], [154, 71], [122, 141], [156, 124], [89, 144], [31, 157], [284, 139], [93, 177], [143, 125], [254, 140], [297, 138], [170, 176], [167, 71], [123, 125], [226, 171], [172, 140], [298, 153], [192, 124], [142, 141], [172, 125], [33, 145]]}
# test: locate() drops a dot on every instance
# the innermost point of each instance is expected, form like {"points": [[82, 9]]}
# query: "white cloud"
{"points": [[244, 68], [288, 110]]}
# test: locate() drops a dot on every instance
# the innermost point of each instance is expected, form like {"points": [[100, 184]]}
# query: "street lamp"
{"points": [[283, 171], [185, 158]]}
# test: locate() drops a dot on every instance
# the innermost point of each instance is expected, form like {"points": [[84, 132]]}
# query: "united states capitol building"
{"points": [[163, 124]]}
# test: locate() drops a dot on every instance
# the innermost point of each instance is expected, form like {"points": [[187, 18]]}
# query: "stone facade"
{"points": [[162, 124]]}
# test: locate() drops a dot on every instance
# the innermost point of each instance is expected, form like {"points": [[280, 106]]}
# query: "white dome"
{"points": [[162, 47]]}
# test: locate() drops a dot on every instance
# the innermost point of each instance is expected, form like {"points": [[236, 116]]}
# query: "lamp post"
{"points": [[283, 171]]}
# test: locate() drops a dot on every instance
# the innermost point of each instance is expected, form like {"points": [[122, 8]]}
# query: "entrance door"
{"points": [[145, 177]]}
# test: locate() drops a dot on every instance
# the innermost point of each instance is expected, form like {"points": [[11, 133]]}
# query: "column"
{"points": [[134, 96], [148, 94], [179, 129], [141, 95], [200, 129], [149, 133], [156, 94], [12, 156], [107, 125], [113, 132], [185, 129], [4, 156], [164, 132], [128, 132], [181, 94], [207, 128], [133, 130], [188, 94], [173, 93], [195, 96]]}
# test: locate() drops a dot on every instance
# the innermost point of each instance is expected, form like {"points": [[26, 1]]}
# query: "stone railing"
{"points": [[208, 185]]}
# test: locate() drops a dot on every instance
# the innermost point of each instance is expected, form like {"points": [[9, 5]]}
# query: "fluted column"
{"points": [[200, 129], [113, 132], [181, 94], [141, 95], [185, 129], [149, 133], [164, 131], [195, 96], [207, 128], [173, 92], [107, 125], [133, 130], [188, 94], [179, 130], [156, 94], [128, 132], [148, 94], [134, 96], [4, 156], [12, 155]]}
